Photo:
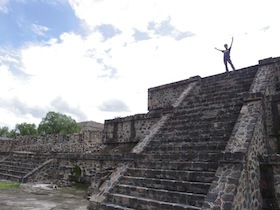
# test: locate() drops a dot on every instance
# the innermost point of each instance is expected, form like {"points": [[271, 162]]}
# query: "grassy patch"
{"points": [[80, 186], [6, 185], [78, 189]]}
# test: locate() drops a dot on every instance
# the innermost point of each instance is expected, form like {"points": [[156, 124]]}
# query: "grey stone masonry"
{"points": [[237, 184], [100, 195], [176, 163], [165, 96]]}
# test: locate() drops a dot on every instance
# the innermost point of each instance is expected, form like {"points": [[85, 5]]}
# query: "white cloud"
{"points": [[3, 6], [39, 30], [113, 105], [103, 75]]}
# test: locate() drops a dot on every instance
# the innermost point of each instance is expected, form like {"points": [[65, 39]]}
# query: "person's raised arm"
{"points": [[218, 49], [231, 42]]}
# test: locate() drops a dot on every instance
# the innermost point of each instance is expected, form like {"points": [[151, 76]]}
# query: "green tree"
{"points": [[25, 129], [4, 131], [56, 123], [12, 134]]}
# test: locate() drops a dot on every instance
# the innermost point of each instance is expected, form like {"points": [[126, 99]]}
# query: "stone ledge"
{"points": [[269, 60], [253, 97], [175, 84], [266, 61], [237, 157], [120, 157], [273, 159], [133, 118]]}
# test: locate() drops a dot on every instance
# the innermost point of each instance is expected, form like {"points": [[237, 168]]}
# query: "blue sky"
{"points": [[96, 59], [36, 21]]}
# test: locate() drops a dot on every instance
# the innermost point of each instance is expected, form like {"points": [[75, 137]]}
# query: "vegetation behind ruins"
{"points": [[52, 123]]}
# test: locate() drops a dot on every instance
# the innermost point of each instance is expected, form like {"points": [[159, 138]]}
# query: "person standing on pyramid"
{"points": [[227, 55]]}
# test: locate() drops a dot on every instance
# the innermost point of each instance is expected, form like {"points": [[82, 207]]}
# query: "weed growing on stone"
{"points": [[7, 185]]}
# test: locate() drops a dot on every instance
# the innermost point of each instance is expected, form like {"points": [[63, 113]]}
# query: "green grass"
{"points": [[80, 186], [7, 185]]}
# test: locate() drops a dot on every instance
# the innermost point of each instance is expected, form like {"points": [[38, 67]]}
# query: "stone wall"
{"points": [[129, 129], [249, 192], [237, 181], [83, 142], [6, 144], [164, 96], [63, 169], [160, 100]]}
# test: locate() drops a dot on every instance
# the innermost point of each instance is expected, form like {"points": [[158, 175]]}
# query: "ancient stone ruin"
{"points": [[205, 143]]}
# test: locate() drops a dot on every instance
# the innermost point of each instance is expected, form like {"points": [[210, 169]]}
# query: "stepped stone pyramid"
{"points": [[206, 143], [20, 164], [205, 149]]}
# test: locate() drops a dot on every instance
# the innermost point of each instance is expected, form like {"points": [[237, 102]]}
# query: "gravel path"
{"points": [[42, 197]]}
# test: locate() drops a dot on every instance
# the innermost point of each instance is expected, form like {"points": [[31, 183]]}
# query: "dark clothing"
{"points": [[227, 58], [228, 61], [226, 54]]}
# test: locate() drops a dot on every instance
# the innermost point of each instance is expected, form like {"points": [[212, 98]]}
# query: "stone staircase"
{"points": [[18, 165], [176, 169]]}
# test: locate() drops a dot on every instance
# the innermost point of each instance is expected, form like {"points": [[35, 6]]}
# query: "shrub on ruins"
{"points": [[12, 133], [4, 131], [57, 123], [26, 129]]}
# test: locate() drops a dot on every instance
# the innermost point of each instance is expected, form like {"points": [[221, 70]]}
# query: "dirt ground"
{"points": [[42, 197]]}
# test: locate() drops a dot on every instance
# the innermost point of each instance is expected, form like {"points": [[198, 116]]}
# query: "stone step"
{"points": [[27, 160], [195, 134], [199, 122], [13, 172], [177, 165], [159, 194], [227, 97], [180, 146], [184, 129], [190, 127], [179, 175], [15, 167], [147, 203], [235, 76], [202, 119], [198, 140], [194, 108], [181, 141], [22, 157], [10, 177], [214, 91], [205, 101], [20, 164], [109, 206], [167, 184], [190, 156], [238, 75], [23, 153], [186, 144]]}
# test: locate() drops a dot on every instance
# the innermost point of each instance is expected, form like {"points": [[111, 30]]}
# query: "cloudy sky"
{"points": [[96, 59]]}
